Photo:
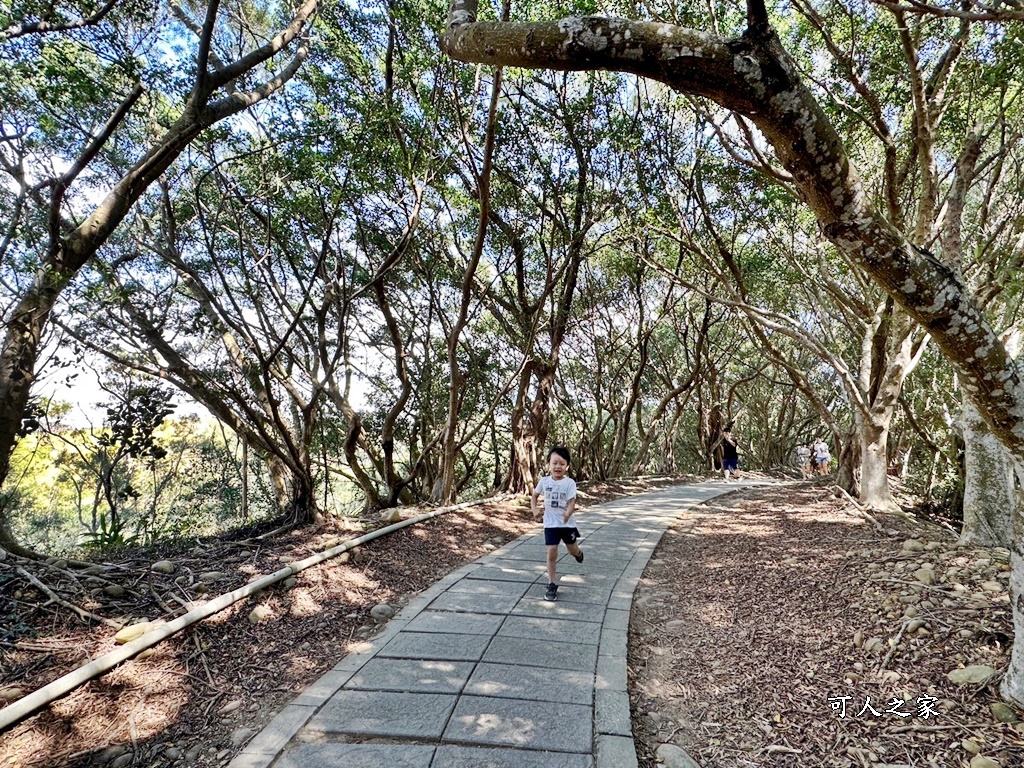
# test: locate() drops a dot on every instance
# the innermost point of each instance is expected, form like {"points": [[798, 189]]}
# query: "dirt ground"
{"points": [[759, 616], [775, 628]]}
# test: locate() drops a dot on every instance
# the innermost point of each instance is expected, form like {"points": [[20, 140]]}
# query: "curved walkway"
{"points": [[479, 671]]}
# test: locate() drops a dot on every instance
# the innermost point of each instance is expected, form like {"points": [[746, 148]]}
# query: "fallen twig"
{"points": [[54, 597]]}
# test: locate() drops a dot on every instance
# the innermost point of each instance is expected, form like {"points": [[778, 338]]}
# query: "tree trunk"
{"points": [[874, 462], [523, 469], [293, 492], [989, 494], [1012, 687], [848, 463]]}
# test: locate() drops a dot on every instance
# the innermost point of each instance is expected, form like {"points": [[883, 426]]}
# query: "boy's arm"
{"points": [[537, 514], [570, 507]]}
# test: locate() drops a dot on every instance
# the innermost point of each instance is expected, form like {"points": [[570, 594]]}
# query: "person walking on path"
{"points": [[821, 456], [559, 493], [803, 457], [730, 455]]}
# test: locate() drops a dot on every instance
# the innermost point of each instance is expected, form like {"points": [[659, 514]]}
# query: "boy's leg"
{"points": [[575, 551], [552, 560]]}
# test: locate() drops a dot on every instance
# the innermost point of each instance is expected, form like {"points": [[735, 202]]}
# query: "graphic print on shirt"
{"points": [[557, 494]]}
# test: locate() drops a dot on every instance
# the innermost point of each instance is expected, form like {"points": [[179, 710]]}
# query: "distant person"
{"points": [[821, 456], [803, 457], [730, 455], [559, 492]]}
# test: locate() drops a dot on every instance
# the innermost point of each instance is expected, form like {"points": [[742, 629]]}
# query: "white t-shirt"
{"points": [[557, 494], [803, 454], [821, 452]]}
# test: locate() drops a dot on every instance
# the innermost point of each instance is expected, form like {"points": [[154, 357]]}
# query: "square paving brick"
{"points": [[573, 594], [382, 713], [605, 579], [508, 681], [616, 620], [616, 752], [521, 572], [467, 602], [518, 723], [562, 609], [485, 587], [456, 623], [271, 739], [448, 756], [612, 714], [561, 630], [412, 675], [357, 756], [611, 673], [551, 655], [534, 553], [436, 645]]}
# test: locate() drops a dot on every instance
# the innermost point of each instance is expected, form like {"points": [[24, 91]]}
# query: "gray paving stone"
{"points": [[272, 739], [616, 620], [611, 713], [614, 642], [522, 572], [412, 675], [456, 623], [616, 752], [517, 723], [551, 629], [611, 673], [533, 553], [552, 655], [383, 713], [468, 602], [562, 609], [436, 645], [340, 755], [514, 681], [485, 587], [618, 602], [573, 594], [483, 757], [251, 760], [328, 684], [589, 578]]}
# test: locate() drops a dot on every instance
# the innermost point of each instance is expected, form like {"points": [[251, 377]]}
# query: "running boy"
{"points": [[559, 492]]}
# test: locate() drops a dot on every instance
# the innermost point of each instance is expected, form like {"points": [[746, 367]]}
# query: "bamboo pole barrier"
{"points": [[25, 706]]}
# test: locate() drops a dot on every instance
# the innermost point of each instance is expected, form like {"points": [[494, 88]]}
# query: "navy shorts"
{"points": [[730, 464], [552, 536]]}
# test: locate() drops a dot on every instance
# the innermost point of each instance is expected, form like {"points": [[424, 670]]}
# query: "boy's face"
{"points": [[557, 466]]}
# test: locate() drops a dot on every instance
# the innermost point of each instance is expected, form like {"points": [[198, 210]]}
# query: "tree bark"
{"points": [[990, 498], [524, 469], [1012, 687], [294, 493], [873, 433]]}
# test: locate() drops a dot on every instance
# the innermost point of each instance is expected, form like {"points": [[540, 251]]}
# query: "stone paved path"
{"points": [[479, 671]]}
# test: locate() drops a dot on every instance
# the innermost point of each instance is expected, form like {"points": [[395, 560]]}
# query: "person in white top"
{"points": [[803, 457], [559, 493], [821, 456]]}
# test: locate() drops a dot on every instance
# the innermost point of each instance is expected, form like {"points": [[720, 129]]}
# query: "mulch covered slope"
{"points": [[768, 619]]}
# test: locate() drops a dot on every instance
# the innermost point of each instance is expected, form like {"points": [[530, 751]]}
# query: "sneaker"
{"points": [[552, 594], [579, 557]]}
